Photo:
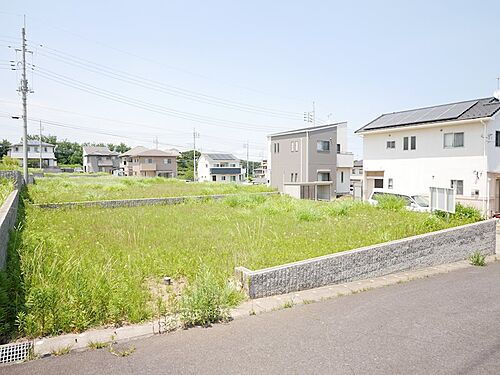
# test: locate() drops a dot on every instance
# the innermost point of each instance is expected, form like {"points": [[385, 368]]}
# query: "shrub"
{"points": [[206, 301], [477, 259], [467, 212], [390, 202]]}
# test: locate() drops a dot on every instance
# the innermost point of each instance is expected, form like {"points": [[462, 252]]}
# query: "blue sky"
{"points": [[355, 60]]}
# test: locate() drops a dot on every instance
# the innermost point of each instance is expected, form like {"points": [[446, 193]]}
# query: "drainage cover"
{"points": [[15, 352]]}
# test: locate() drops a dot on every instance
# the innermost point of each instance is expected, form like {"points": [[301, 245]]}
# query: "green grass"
{"points": [[64, 188], [6, 187], [72, 269]]}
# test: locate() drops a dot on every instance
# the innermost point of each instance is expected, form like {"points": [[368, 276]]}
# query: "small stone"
{"points": [[167, 280]]}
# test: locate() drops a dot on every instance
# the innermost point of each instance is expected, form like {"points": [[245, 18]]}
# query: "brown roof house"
{"points": [[144, 162]]}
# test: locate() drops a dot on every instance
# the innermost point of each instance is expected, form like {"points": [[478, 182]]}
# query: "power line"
{"points": [[43, 23], [164, 88], [98, 131], [64, 80], [137, 124]]}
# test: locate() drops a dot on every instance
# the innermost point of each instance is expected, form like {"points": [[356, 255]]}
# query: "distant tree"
{"points": [[69, 152], [4, 146], [121, 148], [185, 164]]}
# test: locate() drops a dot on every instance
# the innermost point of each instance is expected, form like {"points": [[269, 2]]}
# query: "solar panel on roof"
{"points": [[443, 112]]}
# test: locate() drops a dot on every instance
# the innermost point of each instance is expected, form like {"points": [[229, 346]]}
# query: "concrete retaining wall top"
{"points": [[8, 218], [440, 247], [141, 201]]}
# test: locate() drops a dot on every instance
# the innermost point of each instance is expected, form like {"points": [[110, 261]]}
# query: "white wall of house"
{"points": [[204, 164], [48, 156], [433, 164]]}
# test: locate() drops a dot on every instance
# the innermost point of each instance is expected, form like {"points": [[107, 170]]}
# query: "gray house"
{"points": [[99, 159], [303, 162]]}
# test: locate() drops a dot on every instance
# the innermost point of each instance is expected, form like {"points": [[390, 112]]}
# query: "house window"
{"points": [[497, 139], [338, 148], [452, 140], [405, 143], [214, 178], [233, 178], [324, 176], [169, 161], [341, 177], [413, 142], [379, 183], [323, 146], [291, 177], [150, 161], [233, 165], [458, 185], [45, 149], [391, 144], [353, 171], [390, 183], [296, 175], [294, 146], [16, 149], [276, 146], [223, 178], [216, 165]]}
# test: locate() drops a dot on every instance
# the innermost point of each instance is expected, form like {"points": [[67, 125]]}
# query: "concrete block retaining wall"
{"points": [[141, 201], [8, 217], [445, 246]]}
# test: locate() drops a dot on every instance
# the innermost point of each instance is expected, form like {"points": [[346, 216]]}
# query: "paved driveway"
{"points": [[446, 324]]}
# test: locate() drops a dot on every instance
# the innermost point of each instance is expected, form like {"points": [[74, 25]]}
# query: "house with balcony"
{"points": [[36, 151], [261, 174], [455, 145], [143, 162], [220, 168], [99, 159], [312, 162]]}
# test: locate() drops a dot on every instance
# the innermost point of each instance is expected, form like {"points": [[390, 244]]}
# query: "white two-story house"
{"points": [[36, 150], [220, 168], [453, 145]]}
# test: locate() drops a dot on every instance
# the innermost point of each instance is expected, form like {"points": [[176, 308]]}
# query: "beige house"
{"points": [[144, 162]]}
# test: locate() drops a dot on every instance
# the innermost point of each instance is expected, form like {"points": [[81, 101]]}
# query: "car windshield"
{"points": [[421, 200]]}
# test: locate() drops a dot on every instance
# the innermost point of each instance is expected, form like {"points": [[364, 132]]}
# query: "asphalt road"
{"points": [[446, 324]]}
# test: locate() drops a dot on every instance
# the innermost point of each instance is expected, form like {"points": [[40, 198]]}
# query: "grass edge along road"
{"points": [[111, 262]]}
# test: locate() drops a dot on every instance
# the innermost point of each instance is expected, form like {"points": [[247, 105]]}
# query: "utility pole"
{"points": [[24, 92], [195, 135], [314, 114], [156, 142], [41, 144], [311, 116], [247, 146]]}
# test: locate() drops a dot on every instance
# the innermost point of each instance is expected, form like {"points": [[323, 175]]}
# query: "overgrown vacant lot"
{"points": [[64, 188], [6, 187], [73, 269]]}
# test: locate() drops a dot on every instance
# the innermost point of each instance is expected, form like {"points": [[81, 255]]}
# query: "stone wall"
{"points": [[445, 246], [141, 201], [8, 217]]}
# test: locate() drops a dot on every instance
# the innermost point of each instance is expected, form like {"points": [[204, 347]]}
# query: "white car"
{"points": [[417, 202]]}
